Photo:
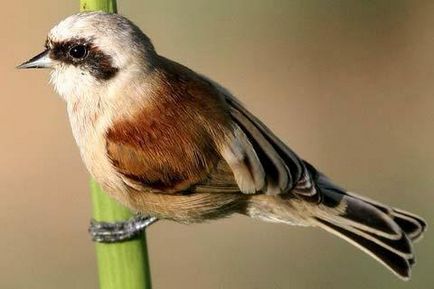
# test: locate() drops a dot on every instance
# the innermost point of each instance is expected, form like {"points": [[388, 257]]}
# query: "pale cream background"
{"points": [[348, 84]]}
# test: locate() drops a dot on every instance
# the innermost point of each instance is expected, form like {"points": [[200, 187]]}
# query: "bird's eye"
{"points": [[78, 51]]}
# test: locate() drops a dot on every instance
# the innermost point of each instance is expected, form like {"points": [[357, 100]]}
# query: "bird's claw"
{"points": [[104, 232]]}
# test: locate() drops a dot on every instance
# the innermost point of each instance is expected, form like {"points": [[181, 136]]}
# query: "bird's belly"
{"points": [[178, 207]]}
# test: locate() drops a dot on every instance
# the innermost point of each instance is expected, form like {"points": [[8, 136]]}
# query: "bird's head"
{"points": [[89, 50]]}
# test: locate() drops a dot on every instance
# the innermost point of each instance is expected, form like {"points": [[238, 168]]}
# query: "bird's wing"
{"points": [[195, 136], [285, 171]]}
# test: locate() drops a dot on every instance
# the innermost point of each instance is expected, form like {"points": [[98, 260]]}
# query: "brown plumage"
{"points": [[168, 142]]}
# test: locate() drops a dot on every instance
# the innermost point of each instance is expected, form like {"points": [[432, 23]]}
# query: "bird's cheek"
{"points": [[70, 82]]}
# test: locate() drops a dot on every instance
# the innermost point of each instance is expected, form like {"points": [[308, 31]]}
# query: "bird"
{"points": [[170, 143]]}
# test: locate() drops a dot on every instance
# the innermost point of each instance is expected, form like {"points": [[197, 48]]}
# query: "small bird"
{"points": [[170, 143]]}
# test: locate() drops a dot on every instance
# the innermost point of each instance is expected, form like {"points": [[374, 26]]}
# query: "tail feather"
{"points": [[361, 215], [383, 232], [399, 265], [412, 225]]}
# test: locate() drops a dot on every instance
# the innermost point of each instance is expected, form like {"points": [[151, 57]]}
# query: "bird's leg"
{"points": [[103, 232]]}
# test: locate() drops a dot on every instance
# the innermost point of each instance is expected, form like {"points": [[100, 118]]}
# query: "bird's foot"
{"points": [[103, 232]]}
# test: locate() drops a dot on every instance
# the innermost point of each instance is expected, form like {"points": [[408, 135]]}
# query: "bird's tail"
{"points": [[383, 232]]}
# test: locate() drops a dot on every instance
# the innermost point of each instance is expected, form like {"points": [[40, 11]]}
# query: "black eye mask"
{"points": [[82, 53]]}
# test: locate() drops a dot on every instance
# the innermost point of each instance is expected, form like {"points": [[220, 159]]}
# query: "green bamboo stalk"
{"points": [[96, 5], [121, 265]]}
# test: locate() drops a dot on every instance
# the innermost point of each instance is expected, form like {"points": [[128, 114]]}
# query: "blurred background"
{"points": [[347, 84]]}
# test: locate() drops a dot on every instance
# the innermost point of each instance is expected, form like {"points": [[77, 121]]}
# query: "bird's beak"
{"points": [[42, 60]]}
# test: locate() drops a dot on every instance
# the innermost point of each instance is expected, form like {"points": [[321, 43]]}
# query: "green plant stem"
{"points": [[96, 5], [121, 265]]}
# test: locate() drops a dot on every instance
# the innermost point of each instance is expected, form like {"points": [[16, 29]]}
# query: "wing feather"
{"points": [[277, 173], [290, 167]]}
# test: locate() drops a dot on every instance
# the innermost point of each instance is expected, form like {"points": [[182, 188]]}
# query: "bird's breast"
{"points": [[89, 128]]}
